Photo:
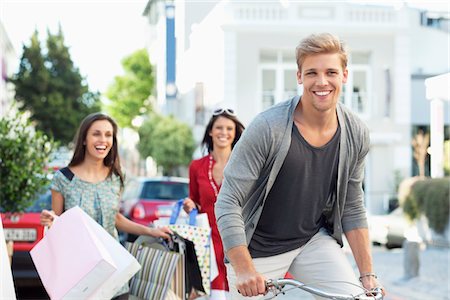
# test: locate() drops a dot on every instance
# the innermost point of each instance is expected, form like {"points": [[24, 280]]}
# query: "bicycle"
{"points": [[277, 286]]}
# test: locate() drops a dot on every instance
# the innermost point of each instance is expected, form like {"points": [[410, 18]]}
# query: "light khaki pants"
{"points": [[320, 263]]}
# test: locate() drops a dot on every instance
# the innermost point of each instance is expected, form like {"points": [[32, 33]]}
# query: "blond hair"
{"points": [[320, 44]]}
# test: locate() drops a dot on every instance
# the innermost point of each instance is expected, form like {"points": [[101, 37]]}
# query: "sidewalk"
{"points": [[432, 282]]}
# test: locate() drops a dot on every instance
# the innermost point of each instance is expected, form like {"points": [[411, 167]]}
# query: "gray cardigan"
{"points": [[257, 158]]}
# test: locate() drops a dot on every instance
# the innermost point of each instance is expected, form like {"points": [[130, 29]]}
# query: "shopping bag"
{"points": [[200, 236], [78, 259], [126, 264], [157, 280], [6, 279]]}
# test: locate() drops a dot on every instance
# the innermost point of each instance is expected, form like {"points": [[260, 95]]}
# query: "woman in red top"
{"points": [[205, 178]]}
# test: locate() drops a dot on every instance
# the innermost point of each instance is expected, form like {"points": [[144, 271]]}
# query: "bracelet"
{"points": [[370, 274]]}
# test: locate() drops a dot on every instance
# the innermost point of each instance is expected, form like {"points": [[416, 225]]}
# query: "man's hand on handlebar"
{"points": [[251, 283]]}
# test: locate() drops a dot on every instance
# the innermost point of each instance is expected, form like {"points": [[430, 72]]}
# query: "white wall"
{"points": [[8, 61], [430, 49]]}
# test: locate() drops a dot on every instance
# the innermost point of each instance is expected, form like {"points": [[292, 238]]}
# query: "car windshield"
{"points": [[44, 201], [164, 190]]}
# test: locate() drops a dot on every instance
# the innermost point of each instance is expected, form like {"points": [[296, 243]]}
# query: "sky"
{"points": [[99, 33]]}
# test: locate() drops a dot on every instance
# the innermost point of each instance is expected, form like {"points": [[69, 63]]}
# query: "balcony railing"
{"points": [[310, 12]]}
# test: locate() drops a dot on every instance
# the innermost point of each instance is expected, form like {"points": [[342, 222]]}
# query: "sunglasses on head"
{"points": [[227, 111]]}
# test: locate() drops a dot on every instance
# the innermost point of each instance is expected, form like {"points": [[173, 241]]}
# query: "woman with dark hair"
{"points": [[94, 180], [205, 178]]}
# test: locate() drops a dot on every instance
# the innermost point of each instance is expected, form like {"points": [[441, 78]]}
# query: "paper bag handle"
{"points": [[176, 212]]}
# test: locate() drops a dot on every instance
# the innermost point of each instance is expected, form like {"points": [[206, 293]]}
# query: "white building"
{"points": [[240, 54], [8, 59]]}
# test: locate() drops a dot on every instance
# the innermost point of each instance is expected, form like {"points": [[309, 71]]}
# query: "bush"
{"points": [[404, 192], [24, 154], [431, 198]]}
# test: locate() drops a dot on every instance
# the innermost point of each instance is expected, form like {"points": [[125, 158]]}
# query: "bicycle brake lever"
{"points": [[274, 287]]}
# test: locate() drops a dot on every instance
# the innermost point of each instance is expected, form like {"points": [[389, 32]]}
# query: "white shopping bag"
{"points": [[78, 259], [126, 265], [6, 279]]}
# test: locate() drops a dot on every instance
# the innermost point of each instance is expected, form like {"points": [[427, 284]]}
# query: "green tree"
{"points": [[50, 87], [129, 93], [168, 141], [24, 153]]}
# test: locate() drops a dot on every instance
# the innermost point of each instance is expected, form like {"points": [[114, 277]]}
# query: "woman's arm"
{"points": [[126, 225], [57, 202], [47, 216]]}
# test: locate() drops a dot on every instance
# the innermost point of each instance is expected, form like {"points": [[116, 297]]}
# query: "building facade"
{"points": [[240, 54], [8, 58]]}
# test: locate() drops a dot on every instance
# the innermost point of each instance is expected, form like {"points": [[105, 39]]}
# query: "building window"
{"points": [[437, 20], [278, 79], [357, 90], [268, 87], [360, 96]]}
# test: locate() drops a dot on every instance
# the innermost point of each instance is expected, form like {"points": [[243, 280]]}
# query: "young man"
{"points": [[293, 185]]}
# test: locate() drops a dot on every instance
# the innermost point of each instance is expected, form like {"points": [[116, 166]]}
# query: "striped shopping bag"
{"points": [[158, 277]]}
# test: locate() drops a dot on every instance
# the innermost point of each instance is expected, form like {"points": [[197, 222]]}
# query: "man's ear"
{"points": [[345, 76], [299, 77]]}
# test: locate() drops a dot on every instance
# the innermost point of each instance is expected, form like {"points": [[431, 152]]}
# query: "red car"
{"points": [[26, 231], [147, 199]]}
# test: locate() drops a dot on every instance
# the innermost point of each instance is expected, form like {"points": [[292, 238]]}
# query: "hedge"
{"points": [[431, 198]]}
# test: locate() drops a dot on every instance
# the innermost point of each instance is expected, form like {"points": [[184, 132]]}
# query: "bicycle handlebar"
{"points": [[278, 284]]}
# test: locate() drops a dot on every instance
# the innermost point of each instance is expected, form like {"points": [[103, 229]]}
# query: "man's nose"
{"points": [[322, 79]]}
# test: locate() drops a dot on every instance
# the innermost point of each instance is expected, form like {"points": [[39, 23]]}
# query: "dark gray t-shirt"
{"points": [[304, 188]]}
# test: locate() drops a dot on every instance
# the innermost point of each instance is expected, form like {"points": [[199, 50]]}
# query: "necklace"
{"points": [[210, 177]]}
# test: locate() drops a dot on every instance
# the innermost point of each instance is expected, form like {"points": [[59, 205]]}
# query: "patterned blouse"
{"points": [[99, 200]]}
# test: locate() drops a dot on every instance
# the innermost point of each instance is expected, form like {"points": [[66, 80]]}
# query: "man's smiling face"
{"points": [[322, 77]]}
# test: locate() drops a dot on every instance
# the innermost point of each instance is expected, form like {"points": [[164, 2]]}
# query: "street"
{"points": [[431, 284]]}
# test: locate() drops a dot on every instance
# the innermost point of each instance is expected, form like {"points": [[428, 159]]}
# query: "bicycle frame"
{"points": [[277, 285]]}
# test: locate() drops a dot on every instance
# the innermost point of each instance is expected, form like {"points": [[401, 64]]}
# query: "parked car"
{"points": [[389, 230], [25, 230], [147, 199]]}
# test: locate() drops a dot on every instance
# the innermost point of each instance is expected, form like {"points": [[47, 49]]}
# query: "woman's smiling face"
{"points": [[99, 139], [223, 132]]}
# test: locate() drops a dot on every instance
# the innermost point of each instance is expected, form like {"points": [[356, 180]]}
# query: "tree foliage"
{"points": [[129, 93], [168, 141], [50, 87], [24, 153]]}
